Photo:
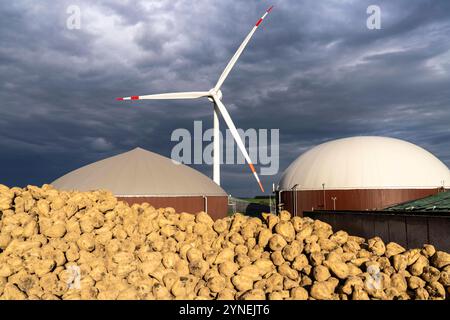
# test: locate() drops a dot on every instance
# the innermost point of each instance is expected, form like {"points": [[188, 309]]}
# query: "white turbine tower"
{"points": [[215, 96]]}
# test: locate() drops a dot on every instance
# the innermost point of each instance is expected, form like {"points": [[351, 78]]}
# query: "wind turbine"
{"points": [[215, 96]]}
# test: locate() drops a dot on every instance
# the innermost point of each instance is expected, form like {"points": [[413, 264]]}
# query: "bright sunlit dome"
{"points": [[366, 163]]}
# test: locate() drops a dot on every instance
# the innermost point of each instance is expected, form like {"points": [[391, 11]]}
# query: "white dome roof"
{"points": [[140, 173], [366, 163]]}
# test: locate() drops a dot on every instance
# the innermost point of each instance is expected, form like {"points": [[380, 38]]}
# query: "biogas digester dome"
{"points": [[140, 176], [361, 173]]}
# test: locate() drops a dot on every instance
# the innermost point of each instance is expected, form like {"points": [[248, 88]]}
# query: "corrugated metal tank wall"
{"points": [[216, 206], [299, 201]]}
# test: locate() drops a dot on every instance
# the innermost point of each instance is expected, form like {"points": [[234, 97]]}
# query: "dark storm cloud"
{"points": [[313, 70]]}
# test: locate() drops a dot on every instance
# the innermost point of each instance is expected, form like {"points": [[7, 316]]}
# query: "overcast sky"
{"points": [[314, 71]]}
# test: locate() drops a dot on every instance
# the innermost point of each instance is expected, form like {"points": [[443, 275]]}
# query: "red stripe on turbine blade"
{"points": [[119, 99], [254, 172], [260, 185], [270, 9], [135, 98], [259, 22]]}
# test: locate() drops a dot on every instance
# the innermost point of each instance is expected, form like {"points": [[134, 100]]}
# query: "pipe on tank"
{"points": [[205, 201]]}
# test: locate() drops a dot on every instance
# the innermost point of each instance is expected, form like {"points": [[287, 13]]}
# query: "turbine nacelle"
{"points": [[217, 93]]}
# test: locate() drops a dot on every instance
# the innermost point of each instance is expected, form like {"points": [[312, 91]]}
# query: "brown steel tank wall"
{"points": [[357, 199], [217, 205]]}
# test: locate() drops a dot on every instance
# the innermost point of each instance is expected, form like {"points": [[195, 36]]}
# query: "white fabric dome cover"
{"points": [[366, 163]]}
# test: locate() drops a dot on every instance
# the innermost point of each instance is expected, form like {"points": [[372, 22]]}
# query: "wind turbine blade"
{"points": [[169, 96], [236, 56], [234, 132]]}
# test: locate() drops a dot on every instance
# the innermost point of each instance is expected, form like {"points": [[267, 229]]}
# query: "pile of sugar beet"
{"points": [[88, 245]]}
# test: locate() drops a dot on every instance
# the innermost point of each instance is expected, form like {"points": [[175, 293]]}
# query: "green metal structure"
{"points": [[436, 203]]}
